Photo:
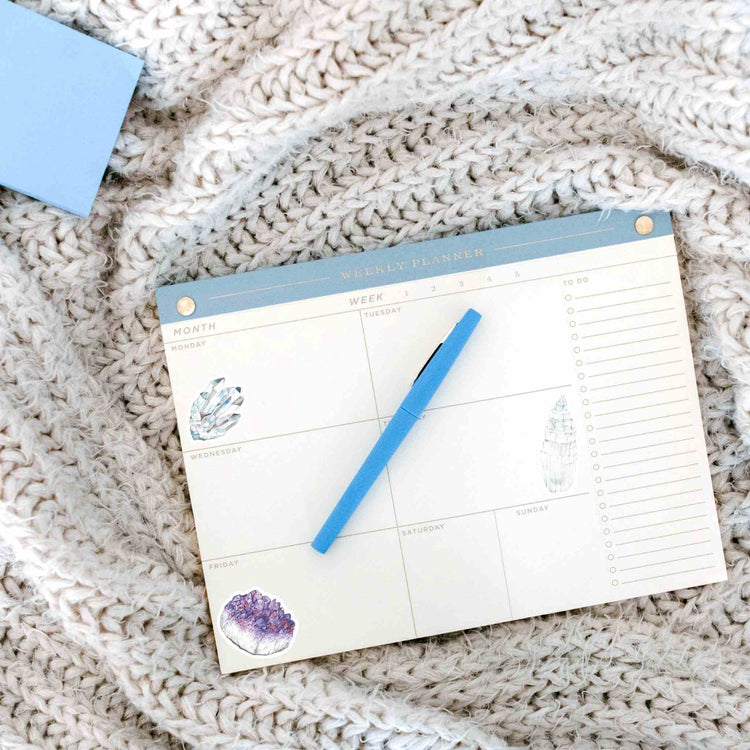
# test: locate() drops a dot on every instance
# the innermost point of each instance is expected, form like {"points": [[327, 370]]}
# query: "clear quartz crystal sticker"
{"points": [[213, 413], [559, 451]]}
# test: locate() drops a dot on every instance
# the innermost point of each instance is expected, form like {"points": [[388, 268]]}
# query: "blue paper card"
{"points": [[64, 97]]}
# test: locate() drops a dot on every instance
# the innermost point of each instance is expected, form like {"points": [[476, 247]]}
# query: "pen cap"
{"points": [[441, 362]]}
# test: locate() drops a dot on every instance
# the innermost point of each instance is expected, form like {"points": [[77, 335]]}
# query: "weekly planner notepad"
{"points": [[562, 463]]}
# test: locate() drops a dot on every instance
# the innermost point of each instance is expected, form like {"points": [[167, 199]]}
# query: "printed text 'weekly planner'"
{"points": [[561, 464]]}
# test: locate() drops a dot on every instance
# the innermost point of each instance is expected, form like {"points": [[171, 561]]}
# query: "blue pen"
{"points": [[423, 389]]}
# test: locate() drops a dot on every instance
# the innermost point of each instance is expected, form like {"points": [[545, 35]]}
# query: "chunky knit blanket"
{"points": [[280, 131]]}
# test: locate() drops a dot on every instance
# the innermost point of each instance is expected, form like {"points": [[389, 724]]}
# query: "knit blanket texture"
{"points": [[268, 132]]}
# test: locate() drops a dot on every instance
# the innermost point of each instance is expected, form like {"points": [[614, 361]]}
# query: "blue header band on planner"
{"points": [[347, 273]]}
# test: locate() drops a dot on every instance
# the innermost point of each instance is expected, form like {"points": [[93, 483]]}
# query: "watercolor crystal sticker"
{"points": [[257, 623], [213, 413], [559, 452]]}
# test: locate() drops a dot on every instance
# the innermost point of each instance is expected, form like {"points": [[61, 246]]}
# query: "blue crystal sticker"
{"points": [[214, 413]]}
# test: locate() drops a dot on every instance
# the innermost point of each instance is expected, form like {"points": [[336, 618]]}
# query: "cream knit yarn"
{"points": [[267, 132]]}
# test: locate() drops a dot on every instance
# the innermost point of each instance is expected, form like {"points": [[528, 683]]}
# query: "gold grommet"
{"points": [[186, 306], [644, 225]]}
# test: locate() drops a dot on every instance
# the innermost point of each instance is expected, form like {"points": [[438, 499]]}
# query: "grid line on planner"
{"points": [[496, 398], [654, 471], [554, 239], [668, 562], [372, 381], [658, 510], [644, 460], [660, 523], [662, 536], [371, 419], [630, 356], [305, 543], [639, 421], [498, 509], [628, 343], [657, 497], [502, 563], [619, 291], [640, 380], [649, 432], [268, 288], [649, 445], [655, 484], [284, 434], [632, 369], [419, 299], [388, 475], [663, 549], [627, 330], [666, 575], [640, 393], [404, 526], [620, 304], [630, 315], [639, 408]]}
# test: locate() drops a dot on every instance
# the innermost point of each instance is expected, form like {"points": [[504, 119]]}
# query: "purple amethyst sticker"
{"points": [[256, 623]]}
